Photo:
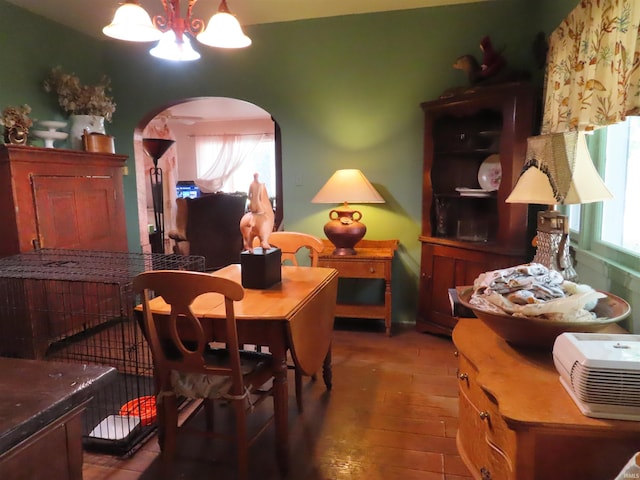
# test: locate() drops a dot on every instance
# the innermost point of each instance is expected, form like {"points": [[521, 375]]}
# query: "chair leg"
{"points": [[168, 424], [242, 439], [209, 414]]}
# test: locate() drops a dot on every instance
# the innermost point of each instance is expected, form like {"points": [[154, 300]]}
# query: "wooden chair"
{"points": [[290, 243], [185, 364]]}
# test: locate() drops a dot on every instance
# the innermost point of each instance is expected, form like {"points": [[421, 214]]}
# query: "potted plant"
{"points": [[16, 123], [87, 105]]}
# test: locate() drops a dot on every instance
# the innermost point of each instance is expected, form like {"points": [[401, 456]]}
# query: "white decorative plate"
{"points": [[472, 192], [490, 173]]}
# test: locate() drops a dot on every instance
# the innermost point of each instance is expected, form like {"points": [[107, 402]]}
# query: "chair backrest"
{"points": [[178, 341], [291, 242]]}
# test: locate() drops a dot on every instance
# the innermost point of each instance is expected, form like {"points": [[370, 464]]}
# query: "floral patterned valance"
{"points": [[593, 67]]}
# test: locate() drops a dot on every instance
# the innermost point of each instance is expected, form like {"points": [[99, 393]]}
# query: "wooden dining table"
{"points": [[295, 314]]}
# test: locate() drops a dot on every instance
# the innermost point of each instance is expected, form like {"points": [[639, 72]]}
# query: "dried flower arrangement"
{"points": [[78, 99], [16, 117]]}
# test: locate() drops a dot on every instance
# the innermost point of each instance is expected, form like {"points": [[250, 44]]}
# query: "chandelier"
{"points": [[132, 23]]}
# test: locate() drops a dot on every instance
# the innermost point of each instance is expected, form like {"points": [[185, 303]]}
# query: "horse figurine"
{"points": [[259, 220]]}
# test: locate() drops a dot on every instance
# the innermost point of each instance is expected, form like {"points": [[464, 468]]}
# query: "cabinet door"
{"points": [[444, 267], [78, 213]]}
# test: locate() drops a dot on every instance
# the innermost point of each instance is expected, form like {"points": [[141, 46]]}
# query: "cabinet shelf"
{"points": [[465, 235], [466, 152]]}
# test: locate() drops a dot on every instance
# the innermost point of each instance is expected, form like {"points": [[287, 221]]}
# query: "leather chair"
{"points": [[290, 243], [210, 226], [186, 366]]}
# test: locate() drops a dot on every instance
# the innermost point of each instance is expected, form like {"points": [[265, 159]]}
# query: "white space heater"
{"points": [[601, 372]]}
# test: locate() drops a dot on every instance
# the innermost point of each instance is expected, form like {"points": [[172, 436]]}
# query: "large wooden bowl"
{"points": [[540, 333]]}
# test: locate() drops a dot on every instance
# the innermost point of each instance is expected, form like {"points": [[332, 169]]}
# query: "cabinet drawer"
{"points": [[488, 456], [356, 269], [496, 430], [467, 378]]}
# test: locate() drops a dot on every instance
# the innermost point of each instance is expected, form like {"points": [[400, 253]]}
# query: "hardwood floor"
{"points": [[392, 414]]}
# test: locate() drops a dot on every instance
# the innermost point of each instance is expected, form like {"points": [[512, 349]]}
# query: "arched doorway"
{"points": [[184, 121]]}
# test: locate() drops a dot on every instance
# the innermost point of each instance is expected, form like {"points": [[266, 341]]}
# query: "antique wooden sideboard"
{"points": [[517, 422]]}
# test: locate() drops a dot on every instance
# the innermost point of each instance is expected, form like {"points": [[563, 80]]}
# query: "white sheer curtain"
{"points": [[219, 156]]}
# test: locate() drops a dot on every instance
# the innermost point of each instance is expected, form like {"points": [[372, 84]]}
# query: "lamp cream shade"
{"points": [[131, 22], [559, 171], [348, 185]]}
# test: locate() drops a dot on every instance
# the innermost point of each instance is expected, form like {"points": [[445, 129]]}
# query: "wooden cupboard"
{"points": [[56, 198], [474, 150]]}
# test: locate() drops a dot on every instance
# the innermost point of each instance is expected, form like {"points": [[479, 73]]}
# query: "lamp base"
{"points": [[344, 251], [344, 231], [552, 249]]}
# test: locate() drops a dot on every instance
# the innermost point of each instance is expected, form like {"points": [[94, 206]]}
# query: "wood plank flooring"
{"points": [[392, 414]]}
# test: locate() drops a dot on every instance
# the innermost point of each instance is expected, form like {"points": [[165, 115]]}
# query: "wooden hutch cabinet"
{"points": [[467, 228], [56, 198]]}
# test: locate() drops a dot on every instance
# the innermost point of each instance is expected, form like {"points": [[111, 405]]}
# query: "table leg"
{"points": [[281, 405], [327, 374], [387, 307]]}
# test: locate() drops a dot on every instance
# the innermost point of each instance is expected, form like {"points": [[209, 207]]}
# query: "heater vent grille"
{"points": [[606, 386]]}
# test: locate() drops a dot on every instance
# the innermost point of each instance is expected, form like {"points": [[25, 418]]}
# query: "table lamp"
{"points": [[344, 228], [558, 171]]}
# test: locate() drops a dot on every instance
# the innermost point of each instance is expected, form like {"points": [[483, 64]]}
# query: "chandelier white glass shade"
{"points": [[168, 49], [132, 23], [224, 31]]}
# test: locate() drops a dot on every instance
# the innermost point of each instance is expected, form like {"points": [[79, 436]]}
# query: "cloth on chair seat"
{"points": [[201, 385]]}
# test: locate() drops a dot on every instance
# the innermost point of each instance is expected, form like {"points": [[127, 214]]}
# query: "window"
{"points": [[227, 162], [261, 161], [612, 228]]}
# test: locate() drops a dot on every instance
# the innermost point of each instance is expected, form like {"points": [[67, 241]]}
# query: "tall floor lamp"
{"points": [[155, 148]]}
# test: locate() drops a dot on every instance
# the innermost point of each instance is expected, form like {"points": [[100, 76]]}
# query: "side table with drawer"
{"points": [[372, 260]]}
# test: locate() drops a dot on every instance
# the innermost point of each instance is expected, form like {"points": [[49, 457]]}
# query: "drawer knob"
{"points": [[455, 353], [463, 376], [485, 474], [484, 415], [372, 270]]}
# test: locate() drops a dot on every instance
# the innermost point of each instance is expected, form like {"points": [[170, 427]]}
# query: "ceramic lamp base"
{"points": [[344, 230]]}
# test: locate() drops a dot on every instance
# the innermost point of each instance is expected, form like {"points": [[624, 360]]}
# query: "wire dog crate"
{"points": [[78, 306]]}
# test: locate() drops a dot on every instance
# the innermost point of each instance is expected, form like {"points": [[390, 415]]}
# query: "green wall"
{"points": [[345, 91], [29, 47]]}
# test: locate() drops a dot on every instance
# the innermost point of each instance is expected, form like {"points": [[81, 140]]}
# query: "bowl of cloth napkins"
{"points": [[529, 305]]}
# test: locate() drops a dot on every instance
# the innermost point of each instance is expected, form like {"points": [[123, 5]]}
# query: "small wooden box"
{"points": [[261, 269], [98, 142]]}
